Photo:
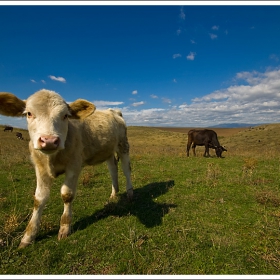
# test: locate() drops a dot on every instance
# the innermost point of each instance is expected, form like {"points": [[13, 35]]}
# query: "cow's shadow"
{"points": [[143, 206]]}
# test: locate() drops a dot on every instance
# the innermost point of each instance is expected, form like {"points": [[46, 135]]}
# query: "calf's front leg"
{"points": [[41, 196], [68, 191]]}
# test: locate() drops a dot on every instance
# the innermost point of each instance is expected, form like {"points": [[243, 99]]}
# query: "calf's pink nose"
{"points": [[49, 142]]}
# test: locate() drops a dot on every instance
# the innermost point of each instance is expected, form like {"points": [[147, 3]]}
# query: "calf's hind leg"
{"points": [[113, 169], [125, 161]]}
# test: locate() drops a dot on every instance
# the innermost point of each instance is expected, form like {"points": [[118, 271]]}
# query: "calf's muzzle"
{"points": [[48, 142]]}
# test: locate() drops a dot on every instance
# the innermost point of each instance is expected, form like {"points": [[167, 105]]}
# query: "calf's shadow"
{"points": [[143, 206]]}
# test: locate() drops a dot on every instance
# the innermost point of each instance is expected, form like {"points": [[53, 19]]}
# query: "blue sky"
{"points": [[164, 64]]}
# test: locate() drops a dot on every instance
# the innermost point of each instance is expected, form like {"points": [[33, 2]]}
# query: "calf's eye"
{"points": [[65, 117], [29, 114]]}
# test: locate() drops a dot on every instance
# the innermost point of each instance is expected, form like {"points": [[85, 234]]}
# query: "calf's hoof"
{"points": [[113, 196], [130, 194], [63, 233], [23, 245]]}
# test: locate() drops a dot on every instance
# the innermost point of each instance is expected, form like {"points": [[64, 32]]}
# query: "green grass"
{"points": [[191, 215]]}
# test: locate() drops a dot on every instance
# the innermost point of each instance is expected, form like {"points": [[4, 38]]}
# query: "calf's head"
{"points": [[47, 116]]}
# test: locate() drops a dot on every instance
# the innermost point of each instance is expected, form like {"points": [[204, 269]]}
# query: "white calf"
{"points": [[63, 138]]}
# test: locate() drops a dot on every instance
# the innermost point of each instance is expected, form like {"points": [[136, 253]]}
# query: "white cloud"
{"points": [[165, 100], [59, 79], [153, 96], [215, 27], [33, 81], [179, 31], [174, 81], [182, 14], [193, 41], [176, 55], [213, 36], [150, 117], [248, 102], [191, 56], [107, 104], [136, 104], [134, 92]]}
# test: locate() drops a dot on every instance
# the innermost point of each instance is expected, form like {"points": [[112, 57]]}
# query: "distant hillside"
{"points": [[262, 138], [234, 125]]}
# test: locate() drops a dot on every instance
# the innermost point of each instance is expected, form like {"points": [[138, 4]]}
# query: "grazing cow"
{"points": [[204, 137], [19, 136], [8, 128], [64, 138]]}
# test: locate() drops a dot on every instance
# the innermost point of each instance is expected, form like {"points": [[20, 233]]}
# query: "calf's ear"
{"points": [[81, 109], [10, 105]]}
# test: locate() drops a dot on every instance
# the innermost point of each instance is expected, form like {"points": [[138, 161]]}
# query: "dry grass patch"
{"points": [[11, 223], [268, 197]]}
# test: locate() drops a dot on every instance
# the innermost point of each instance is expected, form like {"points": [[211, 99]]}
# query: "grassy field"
{"points": [[191, 215]]}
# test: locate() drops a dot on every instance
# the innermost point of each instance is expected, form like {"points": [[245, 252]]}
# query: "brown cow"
{"points": [[8, 128], [19, 135], [63, 138], [204, 137]]}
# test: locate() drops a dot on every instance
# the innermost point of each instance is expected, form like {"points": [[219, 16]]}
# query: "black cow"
{"points": [[19, 135], [8, 128], [204, 137]]}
